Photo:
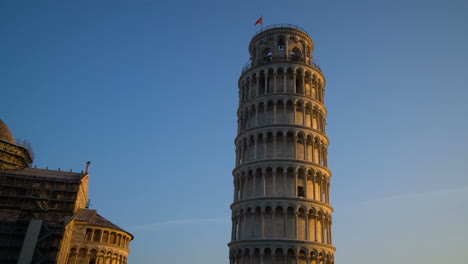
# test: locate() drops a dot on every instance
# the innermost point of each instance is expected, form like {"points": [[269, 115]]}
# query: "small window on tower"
{"points": [[281, 44], [300, 191]]}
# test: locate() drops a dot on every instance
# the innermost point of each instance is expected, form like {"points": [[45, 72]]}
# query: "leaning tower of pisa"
{"points": [[281, 212]]}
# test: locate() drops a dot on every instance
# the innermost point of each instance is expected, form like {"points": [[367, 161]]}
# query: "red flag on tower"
{"points": [[259, 21]]}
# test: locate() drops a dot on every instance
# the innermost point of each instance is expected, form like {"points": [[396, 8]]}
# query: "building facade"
{"points": [[44, 216], [281, 211]]}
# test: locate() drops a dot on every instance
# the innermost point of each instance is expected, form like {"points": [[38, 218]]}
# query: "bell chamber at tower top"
{"points": [[281, 43]]}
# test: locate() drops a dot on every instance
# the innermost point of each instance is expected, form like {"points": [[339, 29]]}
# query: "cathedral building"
{"points": [[44, 217], [281, 211]]}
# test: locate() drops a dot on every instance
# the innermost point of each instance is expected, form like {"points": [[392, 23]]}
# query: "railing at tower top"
{"points": [[249, 64], [280, 26]]}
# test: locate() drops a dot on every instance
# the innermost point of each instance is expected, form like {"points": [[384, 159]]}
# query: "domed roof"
{"points": [[5, 133]]}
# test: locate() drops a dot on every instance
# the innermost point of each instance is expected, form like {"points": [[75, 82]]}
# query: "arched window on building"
{"points": [[267, 55], [296, 54], [281, 44]]}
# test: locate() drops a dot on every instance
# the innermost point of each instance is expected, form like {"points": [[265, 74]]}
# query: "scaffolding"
{"points": [[32, 228]]}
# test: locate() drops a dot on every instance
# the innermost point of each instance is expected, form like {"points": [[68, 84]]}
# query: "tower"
{"points": [[281, 211]]}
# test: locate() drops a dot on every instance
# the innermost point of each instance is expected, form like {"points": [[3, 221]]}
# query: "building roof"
{"points": [[50, 218], [9, 215], [93, 218], [5, 133], [45, 173]]}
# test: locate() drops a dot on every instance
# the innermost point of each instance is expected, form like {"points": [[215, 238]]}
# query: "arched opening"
{"points": [[279, 223], [289, 81], [270, 81], [269, 114], [278, 256], [280, 145], [82, 255], [290, 112], [105, 237], [256, 255], [312, 224], [299, 112], [302, 257], [261, 83], [269, 146], [108, 258], [279, 175], [291, 257], [290, 146], [257, 222], [290, 182], [291, 223], [72, 256], [267, 259], [280, 112], [267, 55], [261, 114], [92, 257], [299, 82], [313, 257], [295, 54], [301, 184], [89, 234], [307, 87], [280, 44], [268, 182], [260, 147], [268, 218], [280, 81], [253, 86], [301, 224], [300, 147], [97, 235], [310, 190], [308, 113]]}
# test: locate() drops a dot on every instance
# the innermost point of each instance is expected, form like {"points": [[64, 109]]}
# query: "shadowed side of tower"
{"points": [[281, 211]]}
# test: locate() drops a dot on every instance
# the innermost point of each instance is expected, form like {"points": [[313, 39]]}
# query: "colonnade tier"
{"points": [[286, 111], [302, 184], [278, 130], [284, 165], [284, 98], [104, 236], [282, 143], [282, 221], [278, 253], [282, 78], [96, 256]]}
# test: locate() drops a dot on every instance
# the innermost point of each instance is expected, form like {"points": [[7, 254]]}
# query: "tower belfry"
{"points": [[281, 212]]}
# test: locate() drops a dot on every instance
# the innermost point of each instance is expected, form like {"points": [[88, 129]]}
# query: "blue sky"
{"points": [[147, 91]]}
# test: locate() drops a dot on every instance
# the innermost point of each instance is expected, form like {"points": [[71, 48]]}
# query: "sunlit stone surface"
{"points": [[281, 211]]}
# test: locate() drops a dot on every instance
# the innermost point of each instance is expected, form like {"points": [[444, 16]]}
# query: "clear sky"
{"points": [[147, 91]]}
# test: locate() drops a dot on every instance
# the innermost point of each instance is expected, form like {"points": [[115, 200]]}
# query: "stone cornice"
{"points": [[279, 126], [287, 162], [282, 242], [280, 199]]}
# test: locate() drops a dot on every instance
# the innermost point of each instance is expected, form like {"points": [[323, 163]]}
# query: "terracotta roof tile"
{"points": [[85, 215], [51, 219], [9, 215], [43, 173], [93, 218]]}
